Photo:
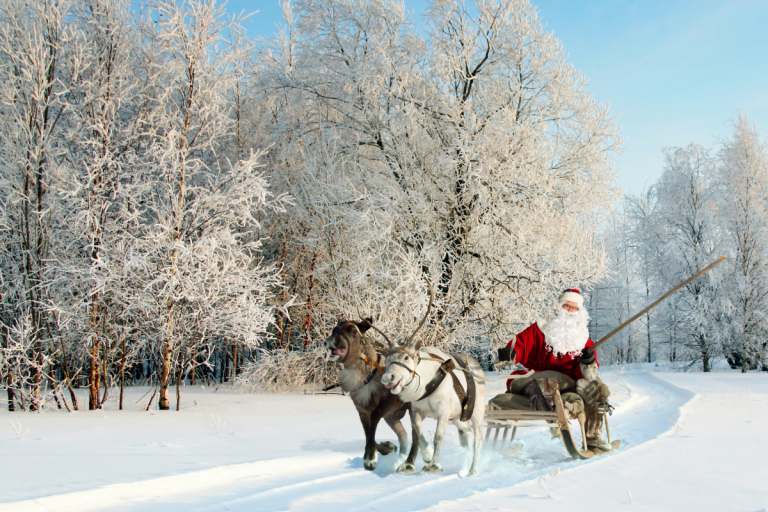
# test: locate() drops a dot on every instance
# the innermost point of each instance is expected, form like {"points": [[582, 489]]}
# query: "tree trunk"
{"points": [[280, 314], [234, 360], [704, 353], [309, 300], [11, 406], [65, 369], [648, 315], [178, 384], [227, 358], [104, 368], [122, 371], [163, 403], [93, 380]]}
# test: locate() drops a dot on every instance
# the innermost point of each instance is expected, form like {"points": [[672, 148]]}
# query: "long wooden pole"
{"points": [[670, 292]]}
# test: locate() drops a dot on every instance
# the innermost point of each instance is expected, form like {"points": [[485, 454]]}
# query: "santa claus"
{"points": [[558, 349]]}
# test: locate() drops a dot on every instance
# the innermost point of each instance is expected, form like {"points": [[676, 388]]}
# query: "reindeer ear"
{"points": [[417, 346], [364, 325]]}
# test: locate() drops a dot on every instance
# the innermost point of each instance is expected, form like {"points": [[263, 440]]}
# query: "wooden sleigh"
{"points": [[496, 420]]}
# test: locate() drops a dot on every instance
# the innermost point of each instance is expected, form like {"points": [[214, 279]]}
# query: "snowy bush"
{"points": [[278, 371]]}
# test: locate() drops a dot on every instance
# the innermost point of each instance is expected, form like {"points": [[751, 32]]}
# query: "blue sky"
{"points": [[674, 71]]}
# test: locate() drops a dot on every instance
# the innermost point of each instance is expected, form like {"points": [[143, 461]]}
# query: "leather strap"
{"points": [[449, 366], [373, 363], [468, 401], [432, 385], [369, 378]]}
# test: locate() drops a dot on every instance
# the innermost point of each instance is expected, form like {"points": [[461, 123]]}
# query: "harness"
{"points": [[447, 367], [367, 360], [376, 368]]}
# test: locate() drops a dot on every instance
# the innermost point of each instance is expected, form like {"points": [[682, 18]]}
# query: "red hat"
{"points": [[571, 295]]}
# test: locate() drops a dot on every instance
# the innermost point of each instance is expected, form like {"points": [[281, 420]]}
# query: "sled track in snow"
{"points": [[329, 481]]}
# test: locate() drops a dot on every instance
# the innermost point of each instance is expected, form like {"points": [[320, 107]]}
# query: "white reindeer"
{"points": [[409, 374]]}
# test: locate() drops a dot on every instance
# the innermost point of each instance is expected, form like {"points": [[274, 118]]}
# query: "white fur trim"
{"points": [[571, 297]]}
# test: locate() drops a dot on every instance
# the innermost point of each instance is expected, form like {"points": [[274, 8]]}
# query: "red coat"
{"points": [[533, 353]]}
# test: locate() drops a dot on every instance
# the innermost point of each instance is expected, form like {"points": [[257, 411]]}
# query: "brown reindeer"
{"points": [[361, 377]]}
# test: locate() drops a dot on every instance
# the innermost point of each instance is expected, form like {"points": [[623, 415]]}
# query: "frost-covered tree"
{"points": [[617, 296], [107, 136], [690, 239], [133, 199], [646, 225], [205, 281], [471, 153], [743, 168], [40, 62]]}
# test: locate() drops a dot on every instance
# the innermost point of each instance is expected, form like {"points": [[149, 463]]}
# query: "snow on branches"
{"points": [[471, 154]]}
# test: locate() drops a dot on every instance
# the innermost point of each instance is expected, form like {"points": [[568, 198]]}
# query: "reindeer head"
{"points": [[401, 367], [345, 340]]}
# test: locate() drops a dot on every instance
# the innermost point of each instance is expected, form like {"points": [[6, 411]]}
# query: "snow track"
{"points": [[334, 479]]}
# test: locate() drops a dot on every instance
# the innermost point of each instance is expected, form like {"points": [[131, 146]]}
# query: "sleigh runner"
{"points": [[496, 420]]}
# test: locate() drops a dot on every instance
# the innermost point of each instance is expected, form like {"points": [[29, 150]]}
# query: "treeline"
{"points": [[178, 202], [707, 203], [131, 211]]}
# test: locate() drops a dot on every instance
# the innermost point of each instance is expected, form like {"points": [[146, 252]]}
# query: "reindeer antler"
{"points": [[429, 308], [391, 345]]}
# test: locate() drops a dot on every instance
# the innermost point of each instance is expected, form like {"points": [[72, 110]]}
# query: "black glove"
{"points": [[588, 355], [507, 354]]}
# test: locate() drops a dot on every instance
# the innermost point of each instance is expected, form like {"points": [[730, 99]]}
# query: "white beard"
{"points": [[564, 332]]}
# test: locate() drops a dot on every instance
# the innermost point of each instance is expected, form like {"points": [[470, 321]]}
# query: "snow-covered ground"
{"points": [[690, 441]]}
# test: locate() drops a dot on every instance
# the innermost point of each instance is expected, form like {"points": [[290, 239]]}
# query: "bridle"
{"points": [[412, 371]]}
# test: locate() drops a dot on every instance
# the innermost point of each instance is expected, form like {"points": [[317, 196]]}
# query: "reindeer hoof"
{"points": [[406, 468], [370, 463], [432, 468], [386, 448]]}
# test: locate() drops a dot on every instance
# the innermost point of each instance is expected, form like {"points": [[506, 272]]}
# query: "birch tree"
{"points": [[622, 292], [40, 60], [691, 239], [206, 281], [106, 161], [743, 175], [646, 237]]}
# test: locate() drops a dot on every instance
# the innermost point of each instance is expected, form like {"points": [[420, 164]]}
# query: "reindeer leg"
{"points": [[370, 456], [424, 444], [463, 439], [434, 466], [477, 429], [402, 436], [409, 466]]}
